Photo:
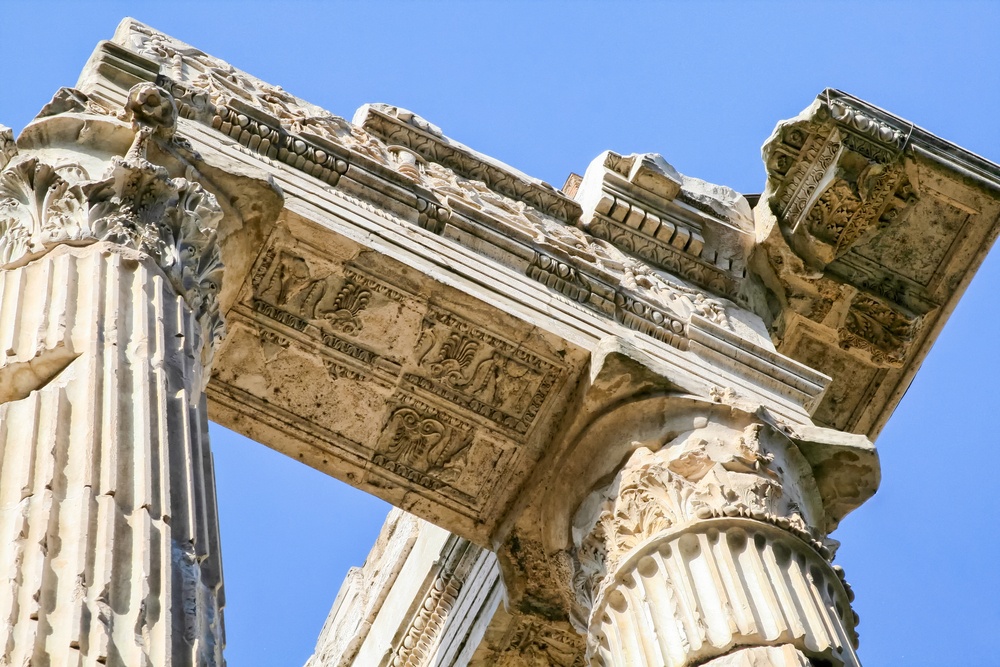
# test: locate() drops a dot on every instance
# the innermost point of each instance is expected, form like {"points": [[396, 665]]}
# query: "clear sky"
{"points": [[545, 88]]}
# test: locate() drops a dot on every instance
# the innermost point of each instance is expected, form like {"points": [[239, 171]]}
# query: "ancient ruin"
{"points": [[619, 419]]}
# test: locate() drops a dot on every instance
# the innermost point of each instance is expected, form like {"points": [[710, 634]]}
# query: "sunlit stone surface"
{"points": [[620, 419]]}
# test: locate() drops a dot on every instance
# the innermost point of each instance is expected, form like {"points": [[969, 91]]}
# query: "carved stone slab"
{"points": [[872, 228], [398, 385]]}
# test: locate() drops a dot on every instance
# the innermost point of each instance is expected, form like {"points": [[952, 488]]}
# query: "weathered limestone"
{"points": [[869, 230], [423, 597], [706, 543], [635, 408], [109, 316]]}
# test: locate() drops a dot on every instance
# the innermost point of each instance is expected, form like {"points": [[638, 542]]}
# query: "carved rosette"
{"points": [[709, 542], [135, 204]]}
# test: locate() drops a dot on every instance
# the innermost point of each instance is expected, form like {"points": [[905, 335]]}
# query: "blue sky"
{"points": [[546, 87]]}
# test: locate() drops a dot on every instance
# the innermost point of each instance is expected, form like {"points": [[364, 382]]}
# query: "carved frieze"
{"points": [[875, 326], [428, 400], [446, 186]]}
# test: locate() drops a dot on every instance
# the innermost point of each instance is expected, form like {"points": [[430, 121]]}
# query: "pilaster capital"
{"points": [[134, 203]]}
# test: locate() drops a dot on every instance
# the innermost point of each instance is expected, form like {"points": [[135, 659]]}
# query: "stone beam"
{"points": [[417, 320]]}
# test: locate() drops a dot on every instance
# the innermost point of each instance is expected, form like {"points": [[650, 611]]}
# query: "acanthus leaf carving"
{"points": [[883, 332], [135, 204], [8, 147], [713, 471]]}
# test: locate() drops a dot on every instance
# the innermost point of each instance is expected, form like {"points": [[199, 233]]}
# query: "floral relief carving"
{"points": [[269, 121], [8, 147], [309, 294], [873, 326], [481, 372], [424, 445]]}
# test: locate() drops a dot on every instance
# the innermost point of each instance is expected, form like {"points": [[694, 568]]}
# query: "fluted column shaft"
{"points": [[109, 272], [709, 546], [107, 500]]}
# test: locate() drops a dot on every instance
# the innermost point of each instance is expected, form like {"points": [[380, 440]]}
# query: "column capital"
{"points": [[134, 203], [710, 539], [673, 527]]}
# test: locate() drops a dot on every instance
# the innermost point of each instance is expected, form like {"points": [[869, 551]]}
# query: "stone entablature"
{"points": [[652, 403], [870, 230], [448, 395]]}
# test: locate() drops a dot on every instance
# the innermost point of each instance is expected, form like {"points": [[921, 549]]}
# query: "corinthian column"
{"points": [[107, 322], [710, 549]]}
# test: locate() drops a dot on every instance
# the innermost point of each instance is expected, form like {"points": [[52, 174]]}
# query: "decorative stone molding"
{"points": [[643, 206], [785, 655], [453, 187], [416, 643], [869, 227], [404, 128], [484, 350], [713, 470]]}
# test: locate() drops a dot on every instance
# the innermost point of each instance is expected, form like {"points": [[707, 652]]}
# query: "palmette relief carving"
{"points": [[492, 377], [227, 99], [312, 294], [135, 204], [424, 445]]}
